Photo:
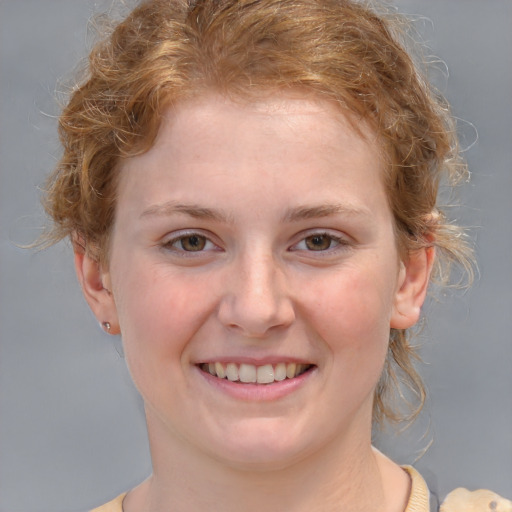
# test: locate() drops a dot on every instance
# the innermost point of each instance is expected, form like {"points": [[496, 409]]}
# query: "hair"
{"points": [[342, 51]]}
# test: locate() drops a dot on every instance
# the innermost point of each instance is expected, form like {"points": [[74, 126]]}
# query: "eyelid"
{"points": [[169, 240], [342, 241]]}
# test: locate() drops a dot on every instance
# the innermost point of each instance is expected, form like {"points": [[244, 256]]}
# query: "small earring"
{"points": [[106, 326]]}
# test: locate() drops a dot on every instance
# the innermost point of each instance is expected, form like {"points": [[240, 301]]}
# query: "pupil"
{"points": [[318, 242], [193, 243]]}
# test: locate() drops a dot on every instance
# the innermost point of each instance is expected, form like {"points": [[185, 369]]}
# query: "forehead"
{"points": [[292, 116], [280, 141]]}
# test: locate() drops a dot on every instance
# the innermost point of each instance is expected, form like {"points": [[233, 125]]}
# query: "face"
{"points": [[254, 277]]}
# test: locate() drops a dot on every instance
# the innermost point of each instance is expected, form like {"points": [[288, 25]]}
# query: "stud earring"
{"points": [[106, 326]]}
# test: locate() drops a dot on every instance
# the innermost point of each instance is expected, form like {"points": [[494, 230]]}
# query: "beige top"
{"points": [[418, 500]]}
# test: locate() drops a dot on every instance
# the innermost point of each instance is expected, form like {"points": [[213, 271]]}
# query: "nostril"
{"points": [[255, 316]]}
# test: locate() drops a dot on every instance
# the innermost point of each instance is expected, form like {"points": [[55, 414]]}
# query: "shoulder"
{"points": [[481, 500], [116, 505], [459, 500]]}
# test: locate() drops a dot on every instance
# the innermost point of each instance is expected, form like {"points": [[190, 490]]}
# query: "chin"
{"points": [[262, 445]]}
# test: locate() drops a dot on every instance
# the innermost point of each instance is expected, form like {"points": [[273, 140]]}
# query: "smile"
{"points": [[252, 374]]}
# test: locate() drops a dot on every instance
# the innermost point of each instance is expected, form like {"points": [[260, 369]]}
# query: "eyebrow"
{"points": [[192, 210], [292, 215], [324, 210]]}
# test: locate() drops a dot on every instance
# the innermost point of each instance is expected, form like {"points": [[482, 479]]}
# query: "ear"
{"points": [[413, 282], [96, 287]]}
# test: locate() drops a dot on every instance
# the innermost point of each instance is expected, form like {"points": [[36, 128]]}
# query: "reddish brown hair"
{"points": [[340, 50]]}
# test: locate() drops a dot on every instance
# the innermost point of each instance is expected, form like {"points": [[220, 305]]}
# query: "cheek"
{"points": [[351, 315], [356, 305], [159, 312]]}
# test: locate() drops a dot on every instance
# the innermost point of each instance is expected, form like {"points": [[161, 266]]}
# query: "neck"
{"points": [[348, 475]]}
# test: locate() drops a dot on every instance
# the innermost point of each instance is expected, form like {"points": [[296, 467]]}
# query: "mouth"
{"points": [[252, 374]]}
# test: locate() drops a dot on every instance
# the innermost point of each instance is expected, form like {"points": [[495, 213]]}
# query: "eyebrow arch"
{"points": [[327, 210], [192, 210]]}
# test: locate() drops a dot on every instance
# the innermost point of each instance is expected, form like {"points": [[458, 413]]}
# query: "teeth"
{"points": [[232, 371], [290, 370], [249, 373], [280, 372], [219, 369], [265, 374]]}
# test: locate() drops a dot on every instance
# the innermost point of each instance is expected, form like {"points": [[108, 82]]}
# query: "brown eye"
{"points": [[318, 242], [192, 243]]}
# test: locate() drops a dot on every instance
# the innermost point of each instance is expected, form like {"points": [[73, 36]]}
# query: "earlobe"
{"points": [[413, 282], [96, 288]]}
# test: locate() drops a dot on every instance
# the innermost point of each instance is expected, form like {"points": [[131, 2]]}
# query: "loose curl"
{"points": [[343, 51]]}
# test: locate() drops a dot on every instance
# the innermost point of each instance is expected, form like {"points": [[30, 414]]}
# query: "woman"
{"points": [[250, 189]]}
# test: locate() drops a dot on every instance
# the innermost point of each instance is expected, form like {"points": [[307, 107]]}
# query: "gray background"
{"points": [[72, 432]]}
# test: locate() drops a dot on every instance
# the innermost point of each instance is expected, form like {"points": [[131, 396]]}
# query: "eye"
{"points": [[190, 242], [319, 242]]}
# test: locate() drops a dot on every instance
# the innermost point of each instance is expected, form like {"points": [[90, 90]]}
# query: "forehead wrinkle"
{"points": [[325, 210], [192, 210]]}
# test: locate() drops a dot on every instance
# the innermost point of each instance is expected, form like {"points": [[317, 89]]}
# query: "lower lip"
{"points": [[258, 392]]}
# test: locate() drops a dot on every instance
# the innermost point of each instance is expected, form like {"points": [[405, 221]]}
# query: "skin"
{"points": [[250, 184]]}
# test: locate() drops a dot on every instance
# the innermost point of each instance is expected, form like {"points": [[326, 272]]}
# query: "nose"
{"points": [[256, 299]]}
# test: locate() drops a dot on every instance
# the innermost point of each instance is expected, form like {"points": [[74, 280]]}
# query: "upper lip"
{"points": [[256, 361]]}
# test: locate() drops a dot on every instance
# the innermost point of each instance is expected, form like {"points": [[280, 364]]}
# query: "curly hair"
{"points": [[339, 50]]}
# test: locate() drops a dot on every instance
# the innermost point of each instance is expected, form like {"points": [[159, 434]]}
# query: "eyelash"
{"points": [[339, 241], [171, 244], [208, 246]]}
